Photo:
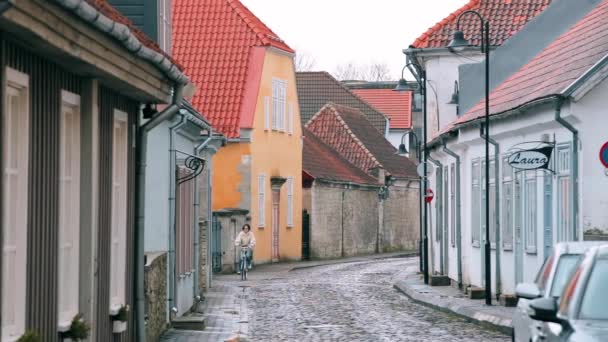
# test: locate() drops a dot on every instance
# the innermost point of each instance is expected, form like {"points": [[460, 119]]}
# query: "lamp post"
{"points": [[402, 86], [402, 152], [459, 42]]}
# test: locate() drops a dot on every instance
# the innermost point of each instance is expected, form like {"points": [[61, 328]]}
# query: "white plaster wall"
{"points": [[592, 110], [442, 72], [394, 137]]}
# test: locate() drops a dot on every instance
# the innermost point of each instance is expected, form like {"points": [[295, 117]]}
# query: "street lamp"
{"points": [[458, 43], [403, 152], [420, 75]]}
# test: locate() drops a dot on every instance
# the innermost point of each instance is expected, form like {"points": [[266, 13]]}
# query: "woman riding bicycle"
{"points": [[245, 239]]}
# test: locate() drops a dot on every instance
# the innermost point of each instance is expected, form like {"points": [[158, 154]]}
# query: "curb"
{"points": [[369, 259], [467, 312]]}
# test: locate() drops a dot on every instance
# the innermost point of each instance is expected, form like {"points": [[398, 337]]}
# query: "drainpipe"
{"points": [[574, 163], [439, 201], [140, 204], [458, 208], [497, 208], [171, 264]]}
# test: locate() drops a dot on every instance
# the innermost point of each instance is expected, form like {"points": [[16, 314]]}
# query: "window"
{"points": [[266, 113], [15, 141], [530, 211], [290, 119], [438, 204], [517, 211], [475, 203], [565, 267], [507, 205], [164, 25], [453, 205], [261, 201], [445, 203], [492, 203], [290, 202], [594, 303], [564, 197], [69, 209], [278, 104], [119, 211], [185, 223]]}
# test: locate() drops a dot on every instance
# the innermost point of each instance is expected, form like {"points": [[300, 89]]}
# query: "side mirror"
{"points": [[544, 309], [527, 291]]}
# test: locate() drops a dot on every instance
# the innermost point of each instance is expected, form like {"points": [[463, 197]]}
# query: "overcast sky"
{"points": [[337, 32]]}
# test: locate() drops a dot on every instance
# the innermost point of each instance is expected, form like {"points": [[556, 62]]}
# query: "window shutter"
{"points": [[266, 113], [275, 107], [261, 201]]}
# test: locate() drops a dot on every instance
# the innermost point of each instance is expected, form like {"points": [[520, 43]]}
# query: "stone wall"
{"points": [[203, 266], [401, 219], [348, 220], [155, 285]]}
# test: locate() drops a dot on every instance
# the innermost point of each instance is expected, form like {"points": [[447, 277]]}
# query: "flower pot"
{"points": [[119, 326]]}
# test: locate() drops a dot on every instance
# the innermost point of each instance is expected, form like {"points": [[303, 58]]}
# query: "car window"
{"points": [[595, 302], [569, 292], [565, 267], [543, 275]]}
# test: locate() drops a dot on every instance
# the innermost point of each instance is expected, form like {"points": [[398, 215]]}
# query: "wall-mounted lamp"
{"points": [[455, 94], [148, 111]]}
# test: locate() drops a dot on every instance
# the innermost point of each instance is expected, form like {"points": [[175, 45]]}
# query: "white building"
{"points": [[557, 97]]}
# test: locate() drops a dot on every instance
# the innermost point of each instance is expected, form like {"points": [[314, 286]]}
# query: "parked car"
{"points": [[582, 313], [549, 283]]}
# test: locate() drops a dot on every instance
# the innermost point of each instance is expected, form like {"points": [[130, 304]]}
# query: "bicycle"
{"points": [[243, 264]]}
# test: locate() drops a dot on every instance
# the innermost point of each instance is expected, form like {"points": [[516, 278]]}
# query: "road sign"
{"points": [[420, 169], [604, 155], [428, 198]]}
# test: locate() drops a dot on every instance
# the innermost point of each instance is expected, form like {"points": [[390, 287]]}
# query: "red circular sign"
{"points": [[429, 196], [604, 155]]}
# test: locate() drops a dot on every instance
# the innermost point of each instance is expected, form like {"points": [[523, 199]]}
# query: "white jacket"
{"points": [[245, 239]]}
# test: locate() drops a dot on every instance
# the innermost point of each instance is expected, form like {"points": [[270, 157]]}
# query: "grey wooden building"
{"points": [[75, 76]]}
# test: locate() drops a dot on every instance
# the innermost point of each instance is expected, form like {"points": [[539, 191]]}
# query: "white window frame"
{"points": [[446, 205], [564, 198], [69, 211], [475, 202], [279, 97], [507, 205], [266, 113], [14, 283], [530, 211], [290, 119], [453, 204], [261, 201], [290, 202], [493, 188], [119, 215]]}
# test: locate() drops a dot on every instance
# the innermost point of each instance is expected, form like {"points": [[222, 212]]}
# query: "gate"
{"points": [[216, 245], [305, 235]]}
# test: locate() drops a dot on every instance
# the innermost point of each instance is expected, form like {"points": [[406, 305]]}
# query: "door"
{"points": [[519, 252], [276, 201], [216, 245], [305, 235]]}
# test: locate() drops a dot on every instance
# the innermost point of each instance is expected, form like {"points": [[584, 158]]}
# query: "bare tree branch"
{"points": [[304, 62], [373, 72]]}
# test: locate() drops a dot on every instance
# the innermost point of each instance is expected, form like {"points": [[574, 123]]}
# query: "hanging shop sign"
{"points": [[604, 155], [531, 156]]}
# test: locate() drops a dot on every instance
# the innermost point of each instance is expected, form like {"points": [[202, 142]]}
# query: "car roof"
{"points": [[578, 247]]}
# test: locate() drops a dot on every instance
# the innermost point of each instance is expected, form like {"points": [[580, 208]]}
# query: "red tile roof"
{"points": [[350, 133], [506, 18], [323, 162], [215, 40], [109, 11], [397, 105], [561, 63]]}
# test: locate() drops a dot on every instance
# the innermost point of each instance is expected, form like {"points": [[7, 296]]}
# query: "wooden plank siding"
{"points": [[47, 79]]}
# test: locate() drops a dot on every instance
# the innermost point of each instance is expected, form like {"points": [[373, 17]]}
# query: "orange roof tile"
{"points": [[396, 105], [215, 40], [506, 18]]}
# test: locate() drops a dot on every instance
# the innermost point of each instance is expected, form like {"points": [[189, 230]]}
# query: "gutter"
{"points": [[439, 212], [574, 163], [123, 34], [171, 263], [497, 242], [457, 212], [140, 203]]}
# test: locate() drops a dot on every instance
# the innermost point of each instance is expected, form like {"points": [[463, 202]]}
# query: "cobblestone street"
{"points": [[341, 302]]}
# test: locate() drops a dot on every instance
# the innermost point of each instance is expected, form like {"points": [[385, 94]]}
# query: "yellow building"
{"points": [[246, 86]]}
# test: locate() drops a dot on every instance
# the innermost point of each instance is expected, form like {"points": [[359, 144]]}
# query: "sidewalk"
{"points": [[225, 304], [452, 300]]}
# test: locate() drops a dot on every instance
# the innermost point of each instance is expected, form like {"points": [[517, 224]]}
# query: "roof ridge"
{"points": [[470, 5], [239, 8], [332, 107]]}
